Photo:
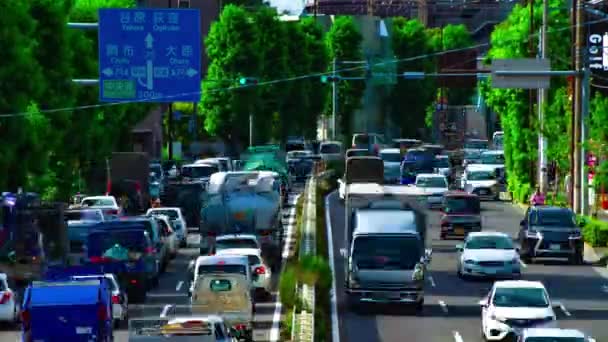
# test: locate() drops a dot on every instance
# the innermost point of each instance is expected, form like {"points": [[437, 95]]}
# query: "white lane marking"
{"points": [[166, 295], [523, 264], [444, 306], [335, 322], [432, 281], [566, 312], [165, 310], [457, 336], [275, 332], [179, 285]]}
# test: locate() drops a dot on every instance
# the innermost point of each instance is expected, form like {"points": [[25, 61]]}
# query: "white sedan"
{"points": [[259, 269], [513, 306], [433, 186], [488, 254], [9, 307]]}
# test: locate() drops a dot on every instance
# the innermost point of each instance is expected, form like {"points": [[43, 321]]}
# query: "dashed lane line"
{"points": [[444, 306], [179, 285], [523, 264], [165, 310], [432, 281], [564, 310], [457, 336]]}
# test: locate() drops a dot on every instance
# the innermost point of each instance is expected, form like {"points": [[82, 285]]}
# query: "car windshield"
{"points": [[490, 158], [520, 297], [330, 149], [171, 213], [462, 205], [554, 218], [199, 171], [391, 157], [441, 163], [481, 175], [472, 155], [554, 339], [84, 215], [98, 202], [235, 243], [294, 146], [358, 153], [431, 182], [388, 253], [489, 242], [206, 269], [478, 145]]}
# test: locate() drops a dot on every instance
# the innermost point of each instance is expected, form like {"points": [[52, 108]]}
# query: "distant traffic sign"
{"points": [[522, 65], [149, 55]]}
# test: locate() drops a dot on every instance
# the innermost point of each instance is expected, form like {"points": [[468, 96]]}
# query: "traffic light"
{"points": [[330, 79], [248, 81]]}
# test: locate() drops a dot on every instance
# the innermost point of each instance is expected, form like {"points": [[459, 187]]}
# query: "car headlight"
{"points": [[470, 262], [575, 235], [498, 318]]}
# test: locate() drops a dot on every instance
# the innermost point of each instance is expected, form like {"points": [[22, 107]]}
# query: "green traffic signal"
{"points": [[330, 79], [248, 81]]}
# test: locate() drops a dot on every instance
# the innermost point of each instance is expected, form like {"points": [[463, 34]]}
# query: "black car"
{"points": [[550, 232]]}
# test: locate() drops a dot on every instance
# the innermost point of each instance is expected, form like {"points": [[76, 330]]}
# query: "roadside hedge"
{"points": [[595, 232]]}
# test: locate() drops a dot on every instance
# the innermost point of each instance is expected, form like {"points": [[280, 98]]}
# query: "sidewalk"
{"points": [[592, 255]]}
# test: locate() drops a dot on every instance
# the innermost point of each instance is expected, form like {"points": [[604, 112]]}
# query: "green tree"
{"points": [[410, 98], [272, 41], [316, 95], [233, 51], [344, 44], [510, 39]]}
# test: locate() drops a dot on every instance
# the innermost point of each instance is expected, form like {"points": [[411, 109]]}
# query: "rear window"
{"points": [[199, 171], [254, 260], [478, 145], [171, 213], [386, 253], [295, 147], [361, 139], [112, 283], [99, 243], [330, 148], [98, 202], [391, 157], [84, 215], [236, 243], [2, 285], [220, 285], [442, 163], [358, 153], [231, 269], [554, 218], [462, 205]]}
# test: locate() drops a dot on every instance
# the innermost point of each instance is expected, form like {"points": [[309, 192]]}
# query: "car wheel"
{"points": [[420, 306]]}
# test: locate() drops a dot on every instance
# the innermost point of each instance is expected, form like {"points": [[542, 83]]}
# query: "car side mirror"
{"points": [[428, 255], [460, 247], [483, 303]]}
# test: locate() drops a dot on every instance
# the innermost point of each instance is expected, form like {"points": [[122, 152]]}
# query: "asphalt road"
{"points": [[170, 298], [451, 311]]}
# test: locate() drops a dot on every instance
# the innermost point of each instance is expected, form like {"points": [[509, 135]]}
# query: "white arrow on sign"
{"points": [[191, 72], [108, 72], [149, 41]]}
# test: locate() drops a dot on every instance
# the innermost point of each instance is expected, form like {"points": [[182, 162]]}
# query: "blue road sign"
{"points": [[149, 55]]}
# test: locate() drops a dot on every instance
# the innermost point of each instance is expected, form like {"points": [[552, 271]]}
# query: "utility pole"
{"points": [[578, 105], [531, 93], [334, 102], [542, 141], [250, 129]]}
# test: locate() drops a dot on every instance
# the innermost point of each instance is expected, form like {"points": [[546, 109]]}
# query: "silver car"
{"points": [[488, 254]]}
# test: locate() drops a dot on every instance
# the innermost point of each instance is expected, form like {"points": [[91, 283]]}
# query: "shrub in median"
{"points": [[595, 232]]}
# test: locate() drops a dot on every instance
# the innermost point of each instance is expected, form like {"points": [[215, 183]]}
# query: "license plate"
{"points": [[84, 330], [385, 295], [555, 246], [459, 231]]}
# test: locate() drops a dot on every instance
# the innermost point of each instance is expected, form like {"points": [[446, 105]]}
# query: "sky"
{"points": [[294, 7]]}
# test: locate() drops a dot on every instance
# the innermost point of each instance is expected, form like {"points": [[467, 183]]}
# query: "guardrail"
{"points": [[304, 322]]}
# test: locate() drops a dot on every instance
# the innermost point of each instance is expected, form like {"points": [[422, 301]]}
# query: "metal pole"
{"points": [[531, 93], [578, 106], [250, 129], [170, 119], [542, 141], [585, 97], [334, 102]]}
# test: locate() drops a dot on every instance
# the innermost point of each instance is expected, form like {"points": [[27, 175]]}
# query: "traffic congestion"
{"points": [[215, 228], [435, 254]]}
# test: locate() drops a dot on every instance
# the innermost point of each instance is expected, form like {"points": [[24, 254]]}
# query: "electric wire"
{"points": [[283, 80]]}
